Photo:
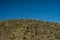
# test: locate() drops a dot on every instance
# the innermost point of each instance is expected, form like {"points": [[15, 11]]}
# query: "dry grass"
{"points": [[29, 30]]}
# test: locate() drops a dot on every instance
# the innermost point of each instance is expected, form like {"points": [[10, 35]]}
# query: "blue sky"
{"points": [[48, 10]]}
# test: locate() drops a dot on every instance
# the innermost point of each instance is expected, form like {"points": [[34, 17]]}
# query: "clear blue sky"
{"points": [[48, 10]]}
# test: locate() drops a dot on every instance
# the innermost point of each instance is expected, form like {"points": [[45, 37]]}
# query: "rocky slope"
{"points": [[29, 30]]}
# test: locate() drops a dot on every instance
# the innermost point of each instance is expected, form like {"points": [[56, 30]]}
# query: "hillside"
{"points": [[25, 29]]}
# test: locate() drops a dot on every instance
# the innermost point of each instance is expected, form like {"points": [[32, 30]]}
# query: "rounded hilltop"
{"points": [[28, 29]]}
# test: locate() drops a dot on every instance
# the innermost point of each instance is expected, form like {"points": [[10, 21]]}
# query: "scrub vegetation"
{"points": [[26, 29]]}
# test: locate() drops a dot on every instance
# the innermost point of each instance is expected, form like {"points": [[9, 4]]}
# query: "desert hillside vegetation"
{"points": [[26, 29]]}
